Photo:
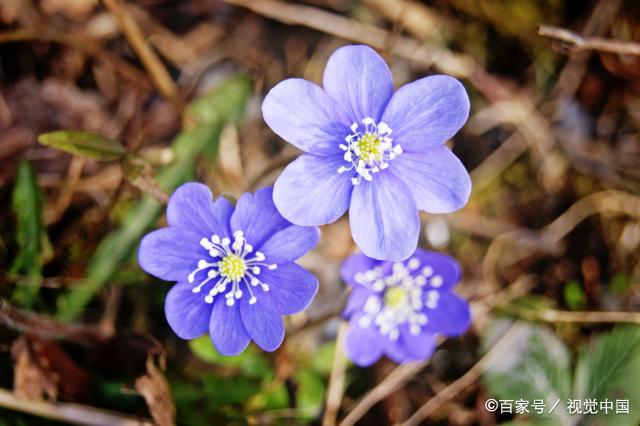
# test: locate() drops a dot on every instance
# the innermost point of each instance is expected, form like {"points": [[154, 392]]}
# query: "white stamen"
{"points": [[230, 264], [398, 298], [436, 281], [368, 150]]}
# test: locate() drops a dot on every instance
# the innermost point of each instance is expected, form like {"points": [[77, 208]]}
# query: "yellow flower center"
{"points": [[395, 297], [369, 146], [232, 267]]}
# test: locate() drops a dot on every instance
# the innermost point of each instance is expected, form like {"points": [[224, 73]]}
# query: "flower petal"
{"points": [[357, 298], [291, 287], [257, 217], [364, 345], [384, 218], [417, 347], [170, 253], [451, 316], [356, 263], [310, 191], [290, 244], [442, 266], [187, 313], [394, 349], [437, 179], [360, 81], [191, 206], [301, 113], [425, 113], [226, 329], [262, 321]]}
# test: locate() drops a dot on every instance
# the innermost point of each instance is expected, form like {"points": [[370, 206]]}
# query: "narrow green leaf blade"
{"points": [[30, 234], [83, 144], [213, 105]]}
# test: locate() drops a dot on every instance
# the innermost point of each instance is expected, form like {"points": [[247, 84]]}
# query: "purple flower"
{"points": [[397, 308], [377, 153], [234, 267]]}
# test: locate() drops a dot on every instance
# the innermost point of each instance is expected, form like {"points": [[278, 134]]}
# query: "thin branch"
{"points": [[577, 42], [336, 379], [398, 377], [159, 74], [554, 316], [463, 382], [67, 412], [347, 29], [48, 328]]}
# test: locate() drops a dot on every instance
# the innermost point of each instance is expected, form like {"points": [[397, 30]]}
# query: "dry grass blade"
{"points": [[154, 66], [71, 413], [336, 380], [347, 29], [577, 42], [459, 385], [398, 377]]}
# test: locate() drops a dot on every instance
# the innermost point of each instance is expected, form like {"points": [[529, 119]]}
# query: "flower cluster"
{"points": [[234, 267], [398, 308], [377, 153]]}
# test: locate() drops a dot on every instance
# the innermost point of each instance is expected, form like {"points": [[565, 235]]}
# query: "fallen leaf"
{"points": [[155, 390]]}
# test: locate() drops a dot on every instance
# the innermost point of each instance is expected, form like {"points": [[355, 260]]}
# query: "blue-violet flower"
{"points": [[377, 153], [234, 267], [398, 308]]}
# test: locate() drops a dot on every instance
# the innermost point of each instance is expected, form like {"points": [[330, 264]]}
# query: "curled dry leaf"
{"points": [[155, 390], [29, 380], [44, 370]]}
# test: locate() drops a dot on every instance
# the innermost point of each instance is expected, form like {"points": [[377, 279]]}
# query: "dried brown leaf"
{"points": [[155, 390], [30, 381]]}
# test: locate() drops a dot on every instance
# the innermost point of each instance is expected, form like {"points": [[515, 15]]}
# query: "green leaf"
{"points": [[30, 234], [250, 362], [83, 144], [269, 398], [535, 366], [322, 358], [574, 296], [119, 244], [214, 106], [610, 369], [229, 391], [619, 283], [309, 393]]}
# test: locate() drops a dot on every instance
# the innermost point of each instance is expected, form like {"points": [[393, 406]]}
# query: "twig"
{"points": [[460, 384], [67, 412], [419, 19], [548, 239], [553, 315], [336, 379], [598, 202], [68, 190], [159, 74], [577, 42], [46, 327], [393, 381], [347, 29]]}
